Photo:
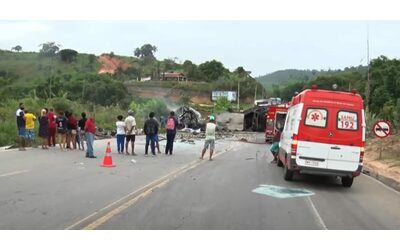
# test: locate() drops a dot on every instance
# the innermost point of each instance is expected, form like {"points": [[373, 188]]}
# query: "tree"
{"points": [[17, 48], [49, 48], [146, 52], [91, 59], [191, 70], [212, 70], [68, 55]]}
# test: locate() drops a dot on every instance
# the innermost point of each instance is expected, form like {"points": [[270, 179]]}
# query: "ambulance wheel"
{"points": [[347, 181], [287, 174], [280, 163]]}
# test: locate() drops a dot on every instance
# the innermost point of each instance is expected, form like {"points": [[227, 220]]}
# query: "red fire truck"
{"points": [[275, 116]]}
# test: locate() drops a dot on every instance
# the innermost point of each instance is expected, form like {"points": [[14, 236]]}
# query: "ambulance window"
{"points": [[316, 117], [347, 120]]}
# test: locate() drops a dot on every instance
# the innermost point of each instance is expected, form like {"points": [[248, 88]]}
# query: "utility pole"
{"points": [[255, 94], [238, 95], [367, 86], [51, 75]]}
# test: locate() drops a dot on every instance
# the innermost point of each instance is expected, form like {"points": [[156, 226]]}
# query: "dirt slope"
{"points": [[111, 65], [389, 163]]}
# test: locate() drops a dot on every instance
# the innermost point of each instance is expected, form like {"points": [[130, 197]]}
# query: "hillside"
{"points": [[29, 67], [290, 76]]}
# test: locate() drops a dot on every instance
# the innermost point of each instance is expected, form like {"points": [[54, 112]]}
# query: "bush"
{"points": [[222, 104], [61, 104]]}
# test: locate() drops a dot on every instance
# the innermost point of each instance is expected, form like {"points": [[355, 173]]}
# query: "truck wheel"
{"points": [[287, 174], [347, 181], [279, 163]]}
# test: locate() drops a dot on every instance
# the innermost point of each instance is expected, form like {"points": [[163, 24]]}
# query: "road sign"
{"points": [[382, 129]]}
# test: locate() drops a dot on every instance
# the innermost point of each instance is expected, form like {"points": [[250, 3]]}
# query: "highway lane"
{"points": [[54, 190], [63, 190], [218, 195]]}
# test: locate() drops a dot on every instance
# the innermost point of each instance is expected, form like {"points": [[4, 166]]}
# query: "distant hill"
{"points": [[28, 67], [290, 76]]}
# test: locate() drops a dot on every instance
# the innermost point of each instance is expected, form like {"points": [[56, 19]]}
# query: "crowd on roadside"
{"points": [[73, 134]]}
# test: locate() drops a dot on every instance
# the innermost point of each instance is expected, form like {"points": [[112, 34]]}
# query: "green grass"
{"points": [[29, 67]]}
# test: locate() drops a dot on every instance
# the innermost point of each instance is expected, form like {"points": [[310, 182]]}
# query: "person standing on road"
{"points": [[44, 128], [156, 139], [81, 131], [130, 132], [172, 123], [120, 134], [72, 125], [51, 139], [210, 137], [90, 131], [150, 129], [20, 114], [30, 127], [61, 122]]}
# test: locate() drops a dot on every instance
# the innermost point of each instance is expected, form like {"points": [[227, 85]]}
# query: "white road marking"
{"points": [[316, 214], [383, 184], [14, 173], [138, 194]]}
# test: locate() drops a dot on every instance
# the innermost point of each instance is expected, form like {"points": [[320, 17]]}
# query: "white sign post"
{"points": [[381, 130]]}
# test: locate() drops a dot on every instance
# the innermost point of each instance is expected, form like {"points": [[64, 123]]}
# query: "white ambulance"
{"points": [[324, 134]]}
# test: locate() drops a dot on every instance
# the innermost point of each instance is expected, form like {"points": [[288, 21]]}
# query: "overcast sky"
{"points": [[259, 46]]}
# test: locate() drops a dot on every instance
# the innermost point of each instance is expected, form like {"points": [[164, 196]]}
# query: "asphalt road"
{"points": [[64, 190]]}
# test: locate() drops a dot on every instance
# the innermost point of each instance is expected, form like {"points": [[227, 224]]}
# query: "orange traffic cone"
{"points": [[107, 162]]}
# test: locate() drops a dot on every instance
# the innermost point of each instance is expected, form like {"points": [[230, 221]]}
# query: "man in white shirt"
{"points": [[210, 137], [130, 131]]}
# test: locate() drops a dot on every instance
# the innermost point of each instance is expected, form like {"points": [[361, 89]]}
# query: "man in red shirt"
{"points": [[90, 130], [52, 128]]}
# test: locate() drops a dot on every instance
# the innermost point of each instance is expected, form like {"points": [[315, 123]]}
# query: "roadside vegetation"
{"points": [[384, 94], [65, 79]]}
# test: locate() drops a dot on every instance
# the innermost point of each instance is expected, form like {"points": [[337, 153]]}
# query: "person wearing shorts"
{"points": [[72, 127], [210, 137], [61, 122], [130, 131], [30, 127], [20, 114], [275, 145]]}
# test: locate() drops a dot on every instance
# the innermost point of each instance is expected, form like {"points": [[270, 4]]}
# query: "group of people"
{"points": [[126, 129], [73, 133]]}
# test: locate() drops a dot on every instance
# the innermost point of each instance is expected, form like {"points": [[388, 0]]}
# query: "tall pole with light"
{"points": [[238, 95], [367, 86]]}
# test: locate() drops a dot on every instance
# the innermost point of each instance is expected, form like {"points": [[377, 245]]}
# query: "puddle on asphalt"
{"points": [[282, 192]]}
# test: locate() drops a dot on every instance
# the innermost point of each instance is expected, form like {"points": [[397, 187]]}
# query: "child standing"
{"points": [[120, 134]]}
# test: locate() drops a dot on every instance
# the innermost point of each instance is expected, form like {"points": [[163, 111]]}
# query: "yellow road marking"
{"points": [[141, 193], [14, 173]]}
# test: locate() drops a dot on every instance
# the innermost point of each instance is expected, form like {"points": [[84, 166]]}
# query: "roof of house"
{"points": [[173, 74]]}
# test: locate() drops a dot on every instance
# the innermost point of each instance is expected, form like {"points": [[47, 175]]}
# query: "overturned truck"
{"points": [[190, 118], [254, 119]]}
